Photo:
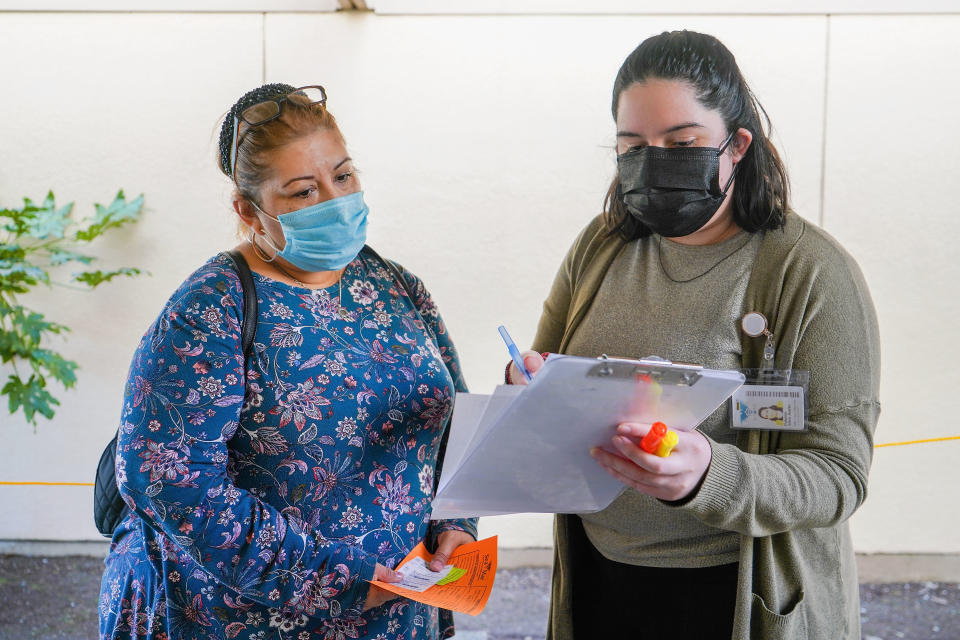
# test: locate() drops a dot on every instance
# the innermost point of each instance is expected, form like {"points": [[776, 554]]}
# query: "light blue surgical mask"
{"points": [[326, 236]]}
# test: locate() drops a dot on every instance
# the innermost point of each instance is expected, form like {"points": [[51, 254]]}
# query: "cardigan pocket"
{"points": [[789, 625]]}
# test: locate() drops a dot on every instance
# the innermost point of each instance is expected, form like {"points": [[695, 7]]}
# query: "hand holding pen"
{"points": [[523, 365]]}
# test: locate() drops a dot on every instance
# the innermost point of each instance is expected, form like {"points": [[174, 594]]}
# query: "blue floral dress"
{"points": [[265, 491]]}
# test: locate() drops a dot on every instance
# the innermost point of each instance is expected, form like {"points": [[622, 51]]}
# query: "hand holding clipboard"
{"points": [[527, 448], [668, 482]]}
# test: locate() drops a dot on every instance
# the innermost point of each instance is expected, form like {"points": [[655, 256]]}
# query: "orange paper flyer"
{"points": [[470, 593]]}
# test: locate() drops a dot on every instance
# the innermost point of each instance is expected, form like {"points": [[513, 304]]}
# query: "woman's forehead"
{"points": [[656, 106], [321, 148]]}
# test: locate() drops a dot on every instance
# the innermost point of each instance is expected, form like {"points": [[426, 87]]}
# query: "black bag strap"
{"points": [[248, 328], [109, 509]]}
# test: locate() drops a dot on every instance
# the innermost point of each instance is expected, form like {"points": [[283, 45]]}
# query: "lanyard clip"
{"points": [[754, 324]]}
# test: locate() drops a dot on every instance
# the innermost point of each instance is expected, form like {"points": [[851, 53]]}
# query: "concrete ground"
{"points": [[54, 598]]}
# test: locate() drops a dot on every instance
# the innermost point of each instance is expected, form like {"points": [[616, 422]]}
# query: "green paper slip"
{"points": [[454, 575]]}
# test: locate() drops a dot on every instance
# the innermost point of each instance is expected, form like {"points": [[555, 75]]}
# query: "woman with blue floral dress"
{"points": [[266, 492]]}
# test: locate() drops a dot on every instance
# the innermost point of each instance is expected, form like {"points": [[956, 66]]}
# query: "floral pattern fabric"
{"points": [[265, 491]]}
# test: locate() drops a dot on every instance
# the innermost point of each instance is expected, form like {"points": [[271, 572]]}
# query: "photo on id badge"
{"points": [[777, 406], [765, 413]]}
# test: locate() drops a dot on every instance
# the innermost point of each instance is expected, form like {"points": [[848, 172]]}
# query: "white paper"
{"points": [[475, 413], [418, 577], [527, 448]]}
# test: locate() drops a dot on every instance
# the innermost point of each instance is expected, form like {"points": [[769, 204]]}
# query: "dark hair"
{"points": [[295, 120], [761, 193]]}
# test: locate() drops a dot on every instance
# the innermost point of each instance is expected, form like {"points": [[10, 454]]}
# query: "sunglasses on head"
{"points": [[267, 110]]}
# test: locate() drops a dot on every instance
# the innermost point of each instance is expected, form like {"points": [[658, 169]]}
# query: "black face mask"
{"points": [[674, 191]]}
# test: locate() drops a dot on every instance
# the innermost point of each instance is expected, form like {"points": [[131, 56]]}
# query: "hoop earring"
{"points": [[257, 250]]}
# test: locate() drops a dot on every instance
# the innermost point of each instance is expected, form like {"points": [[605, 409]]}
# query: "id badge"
{"points": [[772, 400]]}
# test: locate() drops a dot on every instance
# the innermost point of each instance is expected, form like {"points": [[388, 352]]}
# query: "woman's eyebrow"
{"points": [[678, 127], [339, 164], [685, 125], [295, 179]]}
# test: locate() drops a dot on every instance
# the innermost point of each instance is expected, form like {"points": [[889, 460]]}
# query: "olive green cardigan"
{"points": [[787, 494]]}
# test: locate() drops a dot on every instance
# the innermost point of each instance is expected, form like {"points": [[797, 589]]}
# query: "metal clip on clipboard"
{"points": [[656, 369]]}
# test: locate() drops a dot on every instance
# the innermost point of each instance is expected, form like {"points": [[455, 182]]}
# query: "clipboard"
{"points": [[529, 450]]}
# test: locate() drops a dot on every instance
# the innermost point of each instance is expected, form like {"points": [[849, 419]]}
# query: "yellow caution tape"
{"points": [[900, 444], [90, 484], [54, 484]]}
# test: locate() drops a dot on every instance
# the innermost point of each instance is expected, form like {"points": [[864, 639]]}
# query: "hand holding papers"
{"points": [[476, 564], [526, 449], [416, 576]]}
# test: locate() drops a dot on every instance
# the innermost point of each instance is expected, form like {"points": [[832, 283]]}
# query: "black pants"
{"points": [[615, 600]]}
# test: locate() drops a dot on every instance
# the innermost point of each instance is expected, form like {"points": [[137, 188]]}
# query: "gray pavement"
{"points": [[911, 611], [54, 598]]}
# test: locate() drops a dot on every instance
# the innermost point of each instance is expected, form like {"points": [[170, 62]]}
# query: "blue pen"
{"points": [[514, 352]]}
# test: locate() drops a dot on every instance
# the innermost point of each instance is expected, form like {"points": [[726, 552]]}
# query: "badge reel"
{"points": [[770, 399]]}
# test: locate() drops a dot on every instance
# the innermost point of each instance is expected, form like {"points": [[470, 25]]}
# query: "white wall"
{"points": [[890, 171], [485, 144]]}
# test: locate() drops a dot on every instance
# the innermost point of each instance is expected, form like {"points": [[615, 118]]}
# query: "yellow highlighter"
{"points": [[667, 444]]}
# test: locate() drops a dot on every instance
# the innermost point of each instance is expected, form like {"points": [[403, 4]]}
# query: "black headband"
{"points": [[250, 98]]}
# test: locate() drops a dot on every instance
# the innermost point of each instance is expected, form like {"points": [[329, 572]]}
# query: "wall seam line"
{"points": [[823, 133]]}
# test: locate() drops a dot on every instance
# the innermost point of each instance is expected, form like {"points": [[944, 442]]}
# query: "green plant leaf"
{"points": [[34, 238], [58, 367], [47, 221], [60, 256], [31, 396], [25, 269], [13, 285], [93, 278], [34, 325], [117, 214], [21, 219], [19, 275], [11, 253], [18, 221], [13, 345], [26, 332]]}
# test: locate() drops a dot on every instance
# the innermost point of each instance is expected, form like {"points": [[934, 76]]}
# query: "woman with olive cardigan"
{"points": [[739, 533]]}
